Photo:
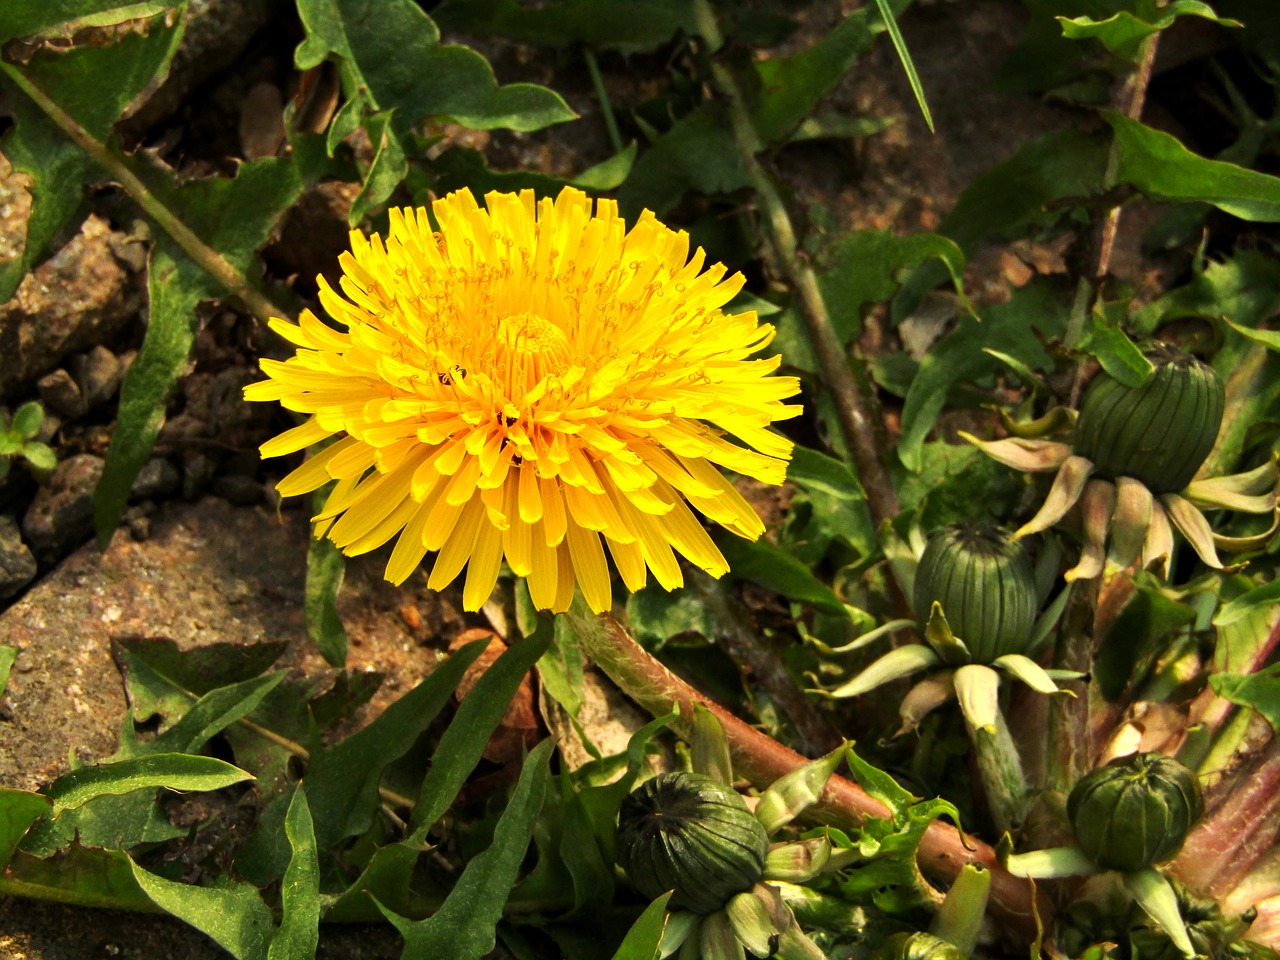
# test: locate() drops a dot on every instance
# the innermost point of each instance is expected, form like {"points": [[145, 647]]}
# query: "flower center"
{"points": [[529, 347]]}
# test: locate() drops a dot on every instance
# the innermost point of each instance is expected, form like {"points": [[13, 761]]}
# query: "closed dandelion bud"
{"points": [[1135, 811], [1159, 433], [986, 588], [689, 833], [918, 946]]}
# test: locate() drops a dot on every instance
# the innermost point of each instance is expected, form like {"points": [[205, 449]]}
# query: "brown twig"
{"points": [[762, 760]]}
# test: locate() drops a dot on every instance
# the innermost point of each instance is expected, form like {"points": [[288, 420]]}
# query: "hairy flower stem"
{"points": [[943, 851], [209, 260], [854, 403]]}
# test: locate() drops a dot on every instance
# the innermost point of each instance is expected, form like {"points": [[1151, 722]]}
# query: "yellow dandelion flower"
{"points": [[532, 381]]}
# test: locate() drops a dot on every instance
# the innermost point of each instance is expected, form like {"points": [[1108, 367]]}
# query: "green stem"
{"points": [[208, 259], [855, 406], [602, 95], [959, 919]]}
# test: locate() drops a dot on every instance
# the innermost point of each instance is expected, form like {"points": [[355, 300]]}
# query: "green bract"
{"points": [[1135, 811], [1158, 433], [985, 586], [689, 833], [919, 946]]}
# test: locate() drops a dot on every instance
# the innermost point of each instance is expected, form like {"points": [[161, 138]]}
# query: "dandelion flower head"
{"points": [[536, 382]]}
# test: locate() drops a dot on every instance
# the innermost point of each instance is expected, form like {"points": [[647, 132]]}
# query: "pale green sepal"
{"points": [[1051, 864], [949, 648], [901, 662], [751, 923], [691, 949], [1067, 487], [794, 945], [1029, 672], [1046, 622], [1059, 420], [1059, 675], [718, 940], [959, 919], [1129, 522], [814, 909], [709, 748], [1191, 522], [925, 697], [978, 690], [1252, 492], [790, 795], [799, 861], [867, 638], [1153, 893], [681, 926], [1253, 542], [1029, 456]]}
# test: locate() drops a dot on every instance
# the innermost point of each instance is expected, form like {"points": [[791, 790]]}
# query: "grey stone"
{"points": [[60, 517], [239, 489], [156, 478], [17, 565], [81, 296], [99, 373], [60, 392]]}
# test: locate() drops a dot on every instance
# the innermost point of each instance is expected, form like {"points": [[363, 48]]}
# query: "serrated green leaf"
{"points": [[1268, 338], [19, 809], [7, 656], [698, 153], [478, 716], [87, 878], [299, 931], [790, 87], [1163, 169], [1124, 32], [776, 569], [176, 771], [26, 18], [624, 25], [865, 267], [1259, 691], [645, 936], [1019, 327], [94, 84], [463, 927], [342, 782], [325, 571], [397, 73], [461, 167], [839, 505], [1262, 597], [1118, 355], [234, 217], [232, 913], [211, 714]]}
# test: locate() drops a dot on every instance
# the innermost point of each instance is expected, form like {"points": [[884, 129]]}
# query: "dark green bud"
{"points": [[1158, 433], [1135, 811], [918, 946], [986, 587], [689, 833]]}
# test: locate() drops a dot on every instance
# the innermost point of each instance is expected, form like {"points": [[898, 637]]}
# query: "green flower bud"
{"points": [[918, 946], [689, 833], [1135, 811], [1158, 433], [986, 588]]}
